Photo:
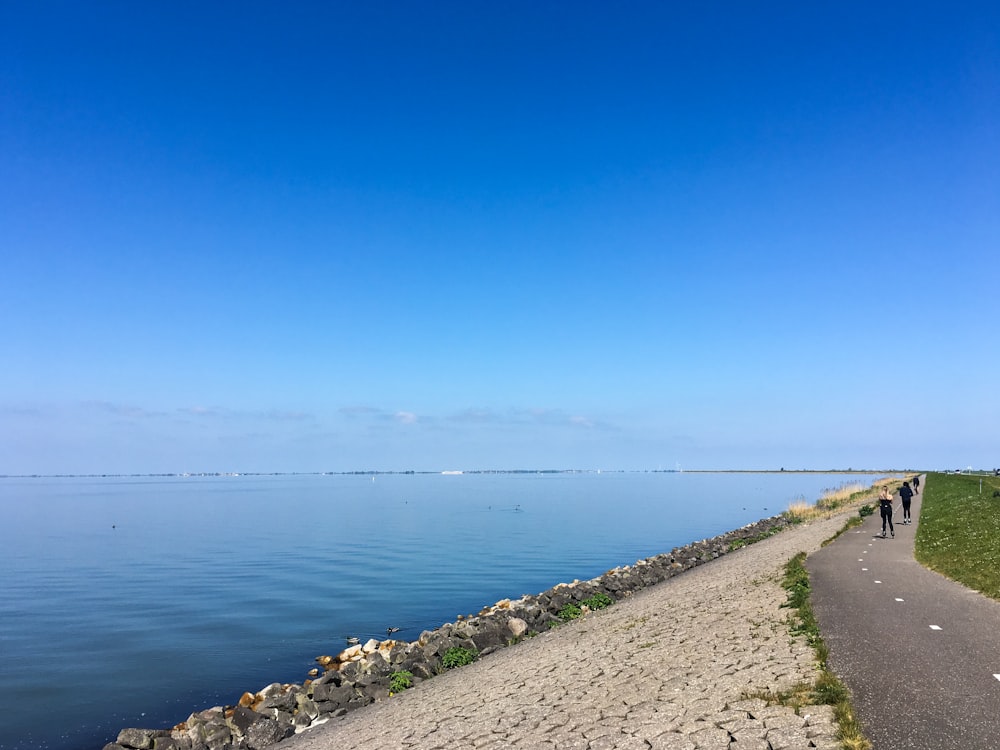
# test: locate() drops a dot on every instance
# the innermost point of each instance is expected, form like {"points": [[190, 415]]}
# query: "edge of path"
{"points": [[918, 651]]}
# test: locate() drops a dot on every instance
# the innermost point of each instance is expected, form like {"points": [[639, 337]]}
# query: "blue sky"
{"points": [[323, 237]]}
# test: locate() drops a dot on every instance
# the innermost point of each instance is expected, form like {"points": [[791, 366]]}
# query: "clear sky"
{"points": [[336, 236]]}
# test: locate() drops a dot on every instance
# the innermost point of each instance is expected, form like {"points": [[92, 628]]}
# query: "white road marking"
{"points": [[863, 569], [898, 599], [997, 676], [935, 627], [861, 559], [878, 582]]}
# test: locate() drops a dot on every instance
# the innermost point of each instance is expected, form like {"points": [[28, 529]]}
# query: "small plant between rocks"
{"points": [[736, 544], [569, 612], [598, 601], [572, 611], [458, 656], [400, 681]]}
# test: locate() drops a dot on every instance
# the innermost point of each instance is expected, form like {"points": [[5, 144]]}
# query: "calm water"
{"points": [[133, 602]]}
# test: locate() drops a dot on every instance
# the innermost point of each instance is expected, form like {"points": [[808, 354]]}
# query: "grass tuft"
{"points": [[828, 689]]}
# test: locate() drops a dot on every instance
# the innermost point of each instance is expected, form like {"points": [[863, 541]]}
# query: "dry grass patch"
{"points": [[840, 497], [802, 511]]}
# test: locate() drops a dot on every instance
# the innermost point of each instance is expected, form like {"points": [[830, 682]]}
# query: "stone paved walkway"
{"points": [[666, 669]]}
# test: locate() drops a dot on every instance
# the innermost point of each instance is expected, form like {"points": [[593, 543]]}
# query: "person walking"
{"points": [[885, 507], [916, 485], [905, 496]]}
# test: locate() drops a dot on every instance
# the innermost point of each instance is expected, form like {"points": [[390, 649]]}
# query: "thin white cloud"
{"points": [[122, 410], [220, 412], [535, 416], [359, 411]]}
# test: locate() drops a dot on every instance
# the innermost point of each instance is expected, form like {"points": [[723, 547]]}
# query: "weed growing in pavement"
{"points": [[828, 689], [637, 622], [457, 656]]}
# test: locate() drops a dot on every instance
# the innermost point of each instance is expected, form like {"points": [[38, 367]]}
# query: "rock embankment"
{"points": [[363, 674]]}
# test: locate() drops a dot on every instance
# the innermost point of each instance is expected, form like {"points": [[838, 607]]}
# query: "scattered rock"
{"points": [[360, 674]]}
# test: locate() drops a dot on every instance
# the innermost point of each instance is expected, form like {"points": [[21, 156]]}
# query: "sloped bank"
{"points": [[362, 674]]}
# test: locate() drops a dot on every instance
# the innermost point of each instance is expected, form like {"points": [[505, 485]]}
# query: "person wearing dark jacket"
{"points": [[905, 496], [885, 507]]}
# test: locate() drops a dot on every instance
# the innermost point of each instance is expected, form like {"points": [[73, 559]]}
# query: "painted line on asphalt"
{"points": [[898, 599], [935, 627], [863, 569], [878, 582], [997, 676]]}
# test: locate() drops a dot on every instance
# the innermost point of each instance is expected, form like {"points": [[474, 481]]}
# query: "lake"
{"points": [[135, 601]]}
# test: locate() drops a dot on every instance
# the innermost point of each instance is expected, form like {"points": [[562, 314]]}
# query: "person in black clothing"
{"points": [[916, 485], [885, 507], [906, 495]]}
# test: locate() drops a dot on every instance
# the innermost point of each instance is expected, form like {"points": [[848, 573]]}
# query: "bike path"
{"points": [[919, 652]]}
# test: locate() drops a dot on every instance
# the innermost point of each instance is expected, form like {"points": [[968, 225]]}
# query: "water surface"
{"points": [[135, 601]]}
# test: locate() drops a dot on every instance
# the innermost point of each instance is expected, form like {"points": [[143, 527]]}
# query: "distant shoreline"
{"points": [[203, 474]]}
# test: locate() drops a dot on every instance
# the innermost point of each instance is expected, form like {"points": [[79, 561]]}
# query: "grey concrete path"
{"points": [[920, 653], [667, 669]]}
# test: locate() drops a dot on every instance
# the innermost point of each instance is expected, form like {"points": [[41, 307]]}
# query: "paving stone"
{"points": [[667, 668]]}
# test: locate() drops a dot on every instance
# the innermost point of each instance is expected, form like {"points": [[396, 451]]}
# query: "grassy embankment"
{"points": [[958, 532]]}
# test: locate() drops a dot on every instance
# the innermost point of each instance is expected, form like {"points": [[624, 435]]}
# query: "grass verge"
{"points": [[959, 530], [827, 689]]}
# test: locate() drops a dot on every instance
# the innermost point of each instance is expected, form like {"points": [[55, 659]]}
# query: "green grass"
{"points": [[959, 530], [400, 681], [569, 612], [827, 689], [574, 611], [457, 656]]}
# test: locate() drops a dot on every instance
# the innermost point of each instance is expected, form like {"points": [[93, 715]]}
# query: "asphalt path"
{"points": [[919, 652]]}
